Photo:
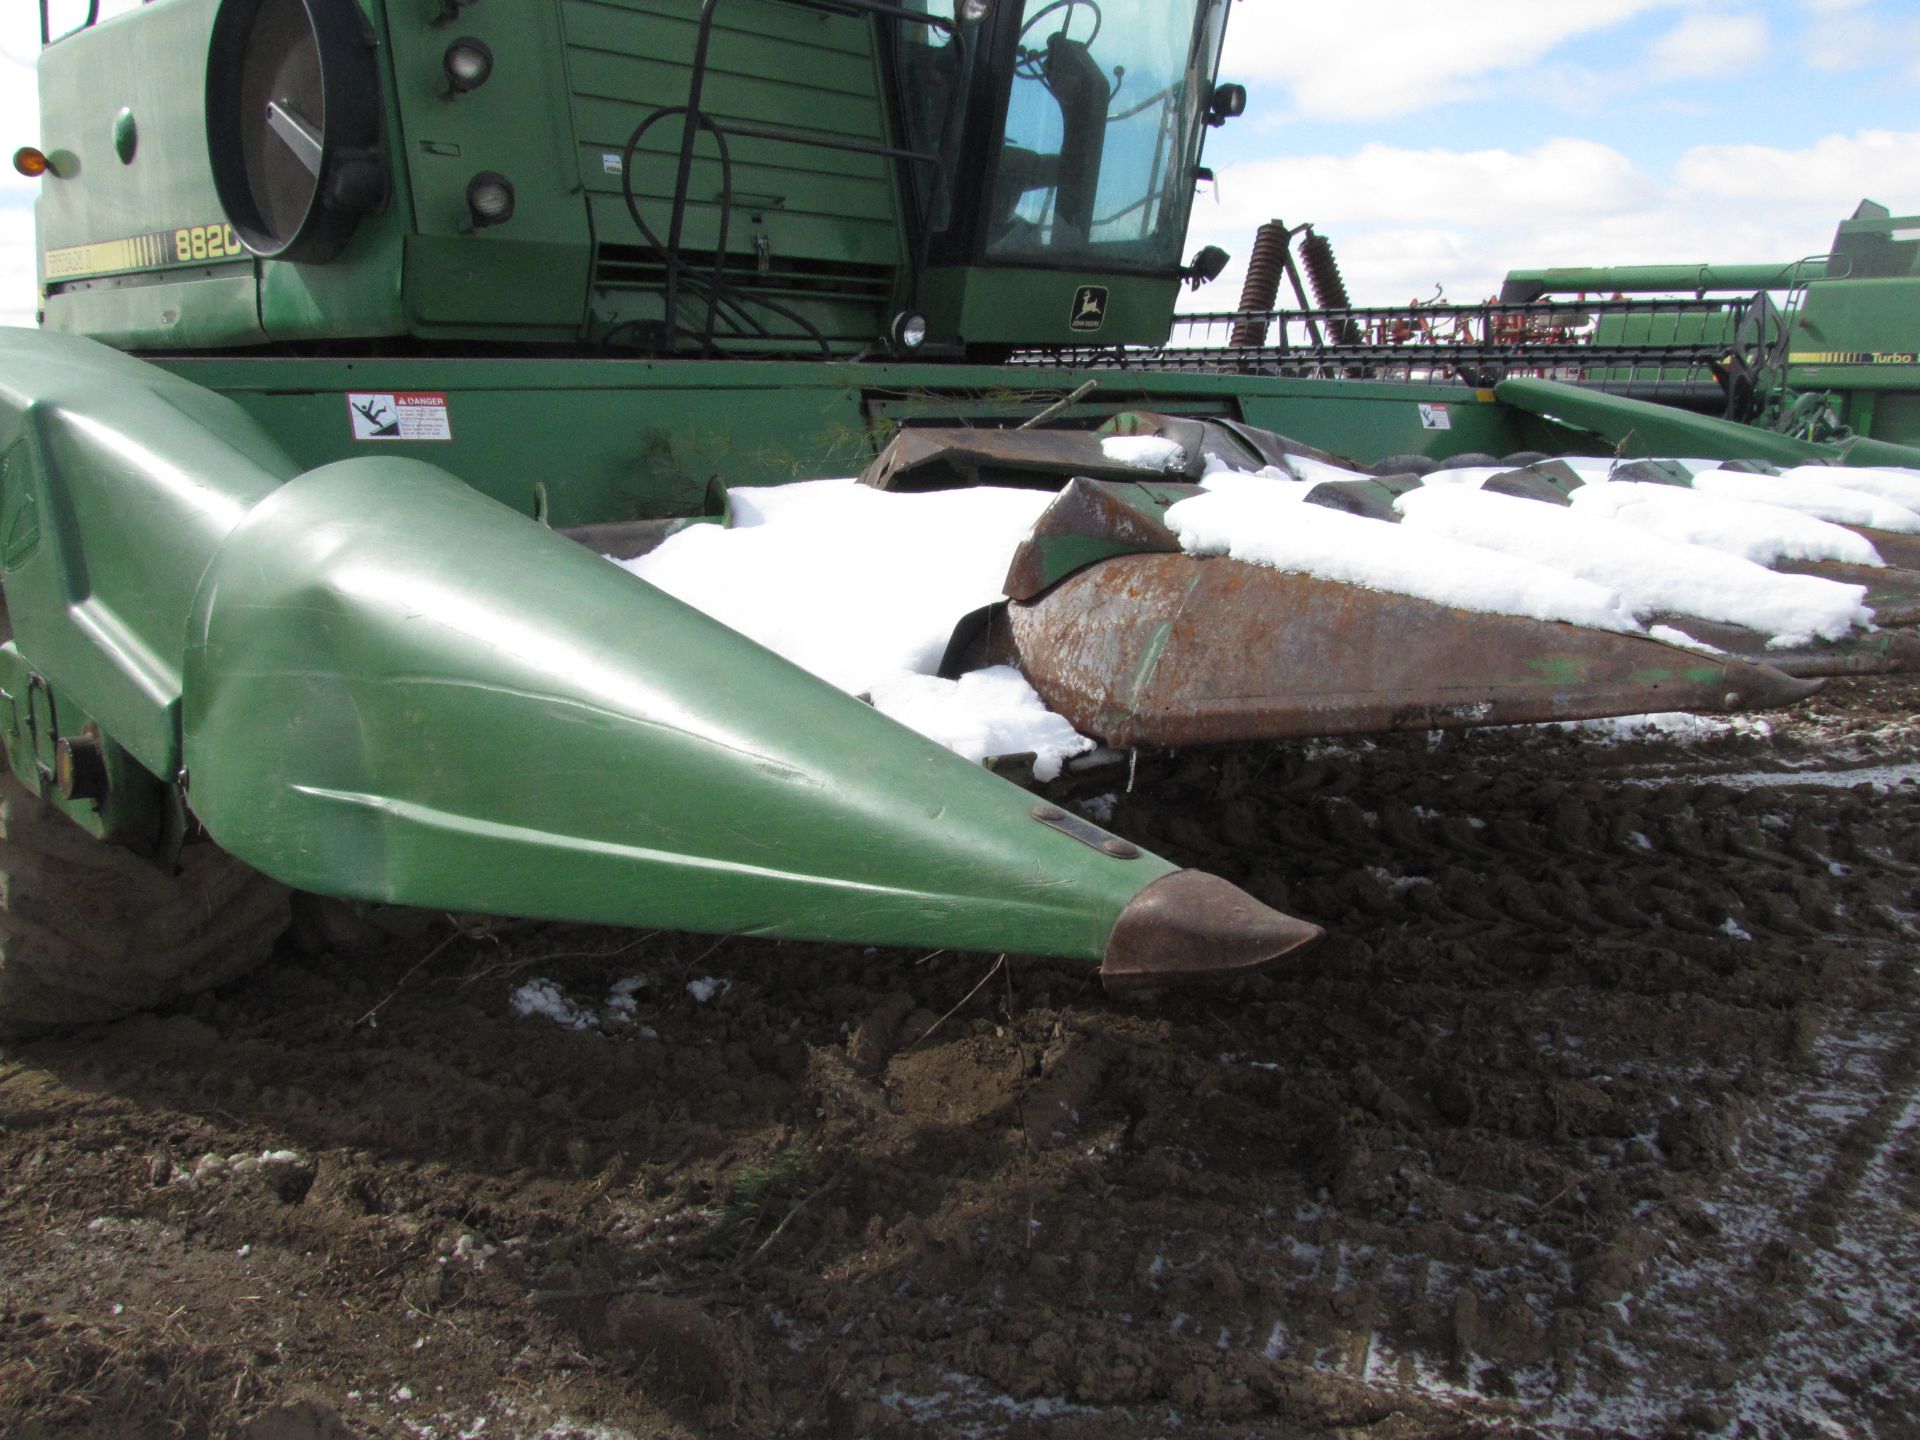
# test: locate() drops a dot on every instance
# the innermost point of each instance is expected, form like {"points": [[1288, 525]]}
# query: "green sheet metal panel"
{"points": [[209, 311], [1637, 429], [119, 482], [769, 64], [794, 237], [1370, 421], [608, 440], [530, 271], [624, 439], [1895, 416], [1023, 305], [1856, 336], [1525, 285], [456, 286], [111, 231]]}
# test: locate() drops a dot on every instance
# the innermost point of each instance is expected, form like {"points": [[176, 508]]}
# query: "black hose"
{"points": [[717, 290]]}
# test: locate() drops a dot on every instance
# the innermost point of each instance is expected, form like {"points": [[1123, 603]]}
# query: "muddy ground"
{"points": [[1597, 1115]]}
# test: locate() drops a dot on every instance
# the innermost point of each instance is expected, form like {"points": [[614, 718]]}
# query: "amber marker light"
{"points": [[30, 162]]}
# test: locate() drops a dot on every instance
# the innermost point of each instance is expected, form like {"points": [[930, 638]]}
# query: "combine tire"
{"points": [[93, 932]]}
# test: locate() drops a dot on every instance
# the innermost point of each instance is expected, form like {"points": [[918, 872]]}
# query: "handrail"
{"points": [[47, 36], [698, 120]]}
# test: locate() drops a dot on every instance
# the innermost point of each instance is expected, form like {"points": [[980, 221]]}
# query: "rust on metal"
{"points": [[1892, 594], [1872, 652], [1190, 927], [938, 458], [1900, 551], [1232, 442], [945, 457], [1165, 649], [1089, 521], [80, 766]]}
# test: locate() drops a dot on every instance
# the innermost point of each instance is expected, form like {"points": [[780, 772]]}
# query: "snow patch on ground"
{"points": [[1880, 777], [1679, 725], [544, 998]]}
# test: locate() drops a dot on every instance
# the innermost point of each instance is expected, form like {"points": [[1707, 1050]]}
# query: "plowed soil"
{"points": [[1596, 1115]]}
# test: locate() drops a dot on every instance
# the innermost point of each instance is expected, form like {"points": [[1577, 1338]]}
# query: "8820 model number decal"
{"points": [[155, 250], [206, 242]]}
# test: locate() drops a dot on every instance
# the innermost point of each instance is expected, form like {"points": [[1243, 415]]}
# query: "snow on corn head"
{"points": [[1193, 583]]}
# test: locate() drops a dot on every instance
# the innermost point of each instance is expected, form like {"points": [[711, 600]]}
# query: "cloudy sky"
{"points": [[1442, 144]]}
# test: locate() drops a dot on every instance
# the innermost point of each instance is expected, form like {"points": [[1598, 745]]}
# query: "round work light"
{"points": [[469, 64], [489, 199], [909, 330]]}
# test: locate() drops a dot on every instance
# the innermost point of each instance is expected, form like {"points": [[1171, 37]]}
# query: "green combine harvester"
{"points": [[370, 328]]}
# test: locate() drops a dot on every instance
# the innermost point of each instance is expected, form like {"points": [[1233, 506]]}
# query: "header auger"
{"points": [[371, 329]]}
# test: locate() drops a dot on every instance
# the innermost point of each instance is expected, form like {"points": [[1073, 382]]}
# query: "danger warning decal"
{"points": [[400, 415], [1436, 417]]}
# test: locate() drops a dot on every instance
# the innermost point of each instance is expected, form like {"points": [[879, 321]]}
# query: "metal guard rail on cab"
{"points": [[46, 25], [697, 120]]}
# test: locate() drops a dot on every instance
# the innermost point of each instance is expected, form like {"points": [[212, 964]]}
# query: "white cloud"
{"points": [[1403, 221], [1836, 170], [1387, 183], [1408, 220], [1841, 42], [1702, 46], [1392, 57], [1854, 35]]}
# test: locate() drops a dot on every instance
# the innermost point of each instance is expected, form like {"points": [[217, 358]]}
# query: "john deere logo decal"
{"points": [[1089, 308]]}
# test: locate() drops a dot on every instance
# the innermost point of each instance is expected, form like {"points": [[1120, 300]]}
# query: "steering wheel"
{"points": [[1070, 6]]}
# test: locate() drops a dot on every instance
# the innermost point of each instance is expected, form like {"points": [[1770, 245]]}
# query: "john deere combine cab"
{"points": [[371, 328]]}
